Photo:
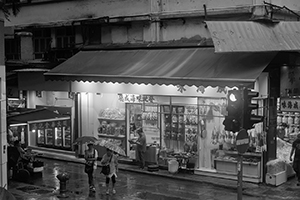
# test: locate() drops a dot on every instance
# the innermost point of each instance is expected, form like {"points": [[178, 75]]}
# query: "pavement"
{"points": [[287, 190]]}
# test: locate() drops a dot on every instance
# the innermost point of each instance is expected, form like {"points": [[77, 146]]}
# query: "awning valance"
{"points": [[249, 36], [188, 66]]}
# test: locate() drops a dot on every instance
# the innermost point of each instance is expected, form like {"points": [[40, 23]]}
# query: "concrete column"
{"points": [[152, 33], [26, 46], [3, 136]]}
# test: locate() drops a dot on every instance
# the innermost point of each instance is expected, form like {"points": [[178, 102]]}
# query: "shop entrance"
{"points": [[211, 131]]}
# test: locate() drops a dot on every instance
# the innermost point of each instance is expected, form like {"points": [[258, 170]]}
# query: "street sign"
{"points": [[242, 141]]}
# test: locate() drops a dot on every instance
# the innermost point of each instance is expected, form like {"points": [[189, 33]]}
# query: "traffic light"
{"points": [[233, 120], [250, 119]]}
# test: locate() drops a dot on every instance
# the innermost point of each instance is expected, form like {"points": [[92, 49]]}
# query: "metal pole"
{"points": [[240, 177]]}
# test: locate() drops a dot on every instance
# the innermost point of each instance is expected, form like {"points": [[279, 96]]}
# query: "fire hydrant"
{"points": [[63, 178]]}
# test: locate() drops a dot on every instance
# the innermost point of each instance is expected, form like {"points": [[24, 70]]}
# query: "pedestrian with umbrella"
{"points": [[109, 165], [90, 156]]}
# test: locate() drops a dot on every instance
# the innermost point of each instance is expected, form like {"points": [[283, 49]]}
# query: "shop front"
{"points": [[42, 127], [178, 97]]}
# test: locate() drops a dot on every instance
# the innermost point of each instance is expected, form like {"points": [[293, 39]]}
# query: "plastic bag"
{"points": [[276, 166]]}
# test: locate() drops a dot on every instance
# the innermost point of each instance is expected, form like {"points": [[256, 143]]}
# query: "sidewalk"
{"points": [[288, 190]]}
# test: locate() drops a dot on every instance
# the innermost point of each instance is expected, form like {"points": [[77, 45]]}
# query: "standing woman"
{"points": [[90, 156], [111, 160]]}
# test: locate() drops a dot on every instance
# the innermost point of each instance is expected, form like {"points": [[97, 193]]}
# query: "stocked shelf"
{"points": [[111, 136], [245, 154], [234, 161], [116, 120], [111, 128]]}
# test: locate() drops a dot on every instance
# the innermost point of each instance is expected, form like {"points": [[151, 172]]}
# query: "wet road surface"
{"points": [[129, 186]]}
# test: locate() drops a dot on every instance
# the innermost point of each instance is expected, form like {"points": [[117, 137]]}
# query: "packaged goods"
{"points": [[276, 166], [283, 150]]}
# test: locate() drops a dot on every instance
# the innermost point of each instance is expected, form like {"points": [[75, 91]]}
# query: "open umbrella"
{"points": [[85, 139], [112, 146], [5, 194]]}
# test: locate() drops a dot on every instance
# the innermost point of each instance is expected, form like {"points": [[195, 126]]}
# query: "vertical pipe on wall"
{"points": [[3, 128]]}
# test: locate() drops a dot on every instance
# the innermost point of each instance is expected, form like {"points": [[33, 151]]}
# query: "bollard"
{"points": [[63, 178]]}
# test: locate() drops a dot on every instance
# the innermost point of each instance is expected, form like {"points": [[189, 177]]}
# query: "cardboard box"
{"points": [[276, 179]]}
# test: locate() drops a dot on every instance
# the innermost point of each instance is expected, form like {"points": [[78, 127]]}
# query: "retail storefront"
{"points": [[42, 127], [288, 112], [177, 95]]}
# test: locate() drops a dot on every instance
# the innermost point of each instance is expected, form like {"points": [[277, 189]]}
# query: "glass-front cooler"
{"points": [[53, 133]]}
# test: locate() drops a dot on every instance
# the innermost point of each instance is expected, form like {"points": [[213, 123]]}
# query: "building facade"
{"points": [[150, 55]]}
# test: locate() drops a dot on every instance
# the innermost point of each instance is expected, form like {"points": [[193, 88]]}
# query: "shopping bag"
{"points": [[88, 168], [105, 169]]}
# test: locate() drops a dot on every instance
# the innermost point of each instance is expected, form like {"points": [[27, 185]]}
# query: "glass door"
{"points": [[49, 134], [67, 136], [40, 136], [58, 136]]}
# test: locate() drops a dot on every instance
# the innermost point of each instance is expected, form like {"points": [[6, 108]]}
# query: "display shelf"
{"points": [[230, 167], [235, 161], [116, 120], [112, 136], [245, 154]]}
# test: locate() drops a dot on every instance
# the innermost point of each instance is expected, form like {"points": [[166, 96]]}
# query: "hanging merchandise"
{"points": [[279, 119], [290, 119], [203, 128], [285, 118], [297, 119]]}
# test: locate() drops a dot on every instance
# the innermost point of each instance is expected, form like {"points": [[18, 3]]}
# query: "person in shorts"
{"points": [[110, 159]]}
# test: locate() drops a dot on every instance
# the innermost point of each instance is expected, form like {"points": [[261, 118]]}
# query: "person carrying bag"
{"points": [[106, 168], [109, 165], [90, 157]]}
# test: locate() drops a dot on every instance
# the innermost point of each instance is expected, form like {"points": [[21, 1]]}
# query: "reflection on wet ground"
{"points": [[130, 186]]}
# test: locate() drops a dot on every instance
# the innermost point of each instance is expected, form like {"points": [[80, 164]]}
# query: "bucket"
{"points": [[173, 166]]}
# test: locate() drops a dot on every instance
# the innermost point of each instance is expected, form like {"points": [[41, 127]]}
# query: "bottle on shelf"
{"points": [[297, 118], [285, 118], [290, 119], [279, 119]]}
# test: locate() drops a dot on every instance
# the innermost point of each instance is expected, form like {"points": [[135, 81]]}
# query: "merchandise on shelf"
{"points": [[288, 125], [112, 113], [113, 128]]}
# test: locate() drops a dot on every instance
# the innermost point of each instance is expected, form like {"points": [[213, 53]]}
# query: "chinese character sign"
{"points": [[290, 81], [290, 105], [135, 98]]}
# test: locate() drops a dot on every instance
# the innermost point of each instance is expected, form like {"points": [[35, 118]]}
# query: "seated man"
{"points": [[22, 157]]}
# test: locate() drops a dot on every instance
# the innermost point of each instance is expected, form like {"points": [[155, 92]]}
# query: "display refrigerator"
{"points": [[54, 133]]}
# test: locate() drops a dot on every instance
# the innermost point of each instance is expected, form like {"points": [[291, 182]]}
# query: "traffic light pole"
{"points": [[240, 158], [240, 177]]}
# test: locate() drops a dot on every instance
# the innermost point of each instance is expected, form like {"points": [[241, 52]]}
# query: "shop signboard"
{"points": [[289, 105], [136, 98], [290, 80]]}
